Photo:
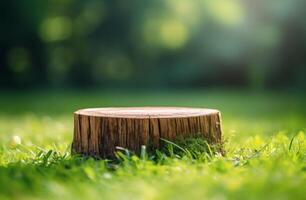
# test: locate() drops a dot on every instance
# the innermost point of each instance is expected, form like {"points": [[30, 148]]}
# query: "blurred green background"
{"points": [[243, 57], [153, 44]]}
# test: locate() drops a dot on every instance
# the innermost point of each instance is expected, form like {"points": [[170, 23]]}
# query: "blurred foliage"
{"points": [[168, 43]]}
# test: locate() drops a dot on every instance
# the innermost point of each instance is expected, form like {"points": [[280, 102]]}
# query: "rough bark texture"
{"points": [[98, 131]]}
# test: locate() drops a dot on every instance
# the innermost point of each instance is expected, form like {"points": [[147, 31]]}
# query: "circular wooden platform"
{"points": [[146, 112], [98, 131]]}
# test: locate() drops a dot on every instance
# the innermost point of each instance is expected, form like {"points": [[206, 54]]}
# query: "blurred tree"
{"points": [[170, 43]]}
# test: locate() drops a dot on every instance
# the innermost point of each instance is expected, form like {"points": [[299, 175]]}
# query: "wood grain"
{"points": [[98, 131]]}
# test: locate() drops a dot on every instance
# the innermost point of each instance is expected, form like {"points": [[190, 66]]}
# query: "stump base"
{"points": [[98, 131]]}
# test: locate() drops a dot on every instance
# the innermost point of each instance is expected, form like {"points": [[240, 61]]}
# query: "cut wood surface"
{"points": [[98, 131]]}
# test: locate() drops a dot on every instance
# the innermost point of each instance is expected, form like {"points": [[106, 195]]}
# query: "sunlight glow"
{"points": [[55, 29], [173, 34], [227, 12]]}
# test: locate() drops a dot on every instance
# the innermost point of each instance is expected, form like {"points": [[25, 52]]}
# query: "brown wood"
{"points": [[98, 131]]}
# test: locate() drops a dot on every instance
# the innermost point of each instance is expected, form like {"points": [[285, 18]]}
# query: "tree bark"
{"points": [[98, 131]]}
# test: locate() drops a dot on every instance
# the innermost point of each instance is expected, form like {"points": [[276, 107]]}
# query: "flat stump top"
{"points": [[146, 112]]}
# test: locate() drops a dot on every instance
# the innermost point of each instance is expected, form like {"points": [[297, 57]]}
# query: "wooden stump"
{"points": [[98, 131]]}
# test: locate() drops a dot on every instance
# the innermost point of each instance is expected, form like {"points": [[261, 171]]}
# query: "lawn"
{"points": [[264, 134]]}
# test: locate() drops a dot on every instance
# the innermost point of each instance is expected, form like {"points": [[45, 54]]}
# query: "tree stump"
{"points": [[98, 131]]}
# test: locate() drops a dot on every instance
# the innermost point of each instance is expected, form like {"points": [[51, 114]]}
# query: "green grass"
{"points": [[264, 137]]}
